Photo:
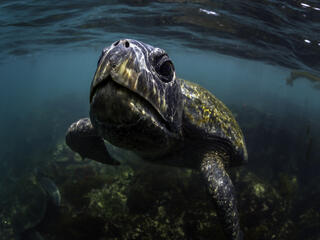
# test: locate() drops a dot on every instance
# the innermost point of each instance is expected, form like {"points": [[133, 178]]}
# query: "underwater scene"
{"points": [[106, 134]]}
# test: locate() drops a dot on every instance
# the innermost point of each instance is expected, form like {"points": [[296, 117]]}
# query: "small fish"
{"points": [[303, 74]]}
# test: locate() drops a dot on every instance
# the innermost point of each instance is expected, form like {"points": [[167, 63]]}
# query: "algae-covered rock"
{"points": [[288, 186], [167, 203], [264, 213], [111, 200], [307, 214], [6, 228], [154, 203], [63, 154], [309, 223]]}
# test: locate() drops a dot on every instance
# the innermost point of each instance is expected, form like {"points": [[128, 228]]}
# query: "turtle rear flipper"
{"points": [[222, 191], [83, 138], [51, 189]]}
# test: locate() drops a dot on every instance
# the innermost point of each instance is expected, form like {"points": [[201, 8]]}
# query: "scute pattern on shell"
{"points": [[211, 117]]}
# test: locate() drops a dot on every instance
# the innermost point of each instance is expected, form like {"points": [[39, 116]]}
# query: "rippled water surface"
{"points": [[279, 32], [260, 57]]}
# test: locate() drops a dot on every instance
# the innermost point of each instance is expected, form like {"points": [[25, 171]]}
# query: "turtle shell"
{"points": [[29, 205], [51, 189], [210, 119]]}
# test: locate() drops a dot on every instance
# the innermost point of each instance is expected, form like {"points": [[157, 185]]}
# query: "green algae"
{"points": [[137, 201]]}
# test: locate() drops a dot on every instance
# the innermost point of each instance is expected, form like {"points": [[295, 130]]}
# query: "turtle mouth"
{"points": [[101, 84], [133, 102]]}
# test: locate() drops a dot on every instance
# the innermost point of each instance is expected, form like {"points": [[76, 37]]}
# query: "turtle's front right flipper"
{"points": [[83, 138], [222, 192]]}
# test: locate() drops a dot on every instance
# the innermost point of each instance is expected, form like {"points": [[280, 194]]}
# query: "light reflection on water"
{"points": [[269, 31]]}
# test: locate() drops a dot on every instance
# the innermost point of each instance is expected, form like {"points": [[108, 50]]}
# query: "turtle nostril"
{"points": [[126, 44], [116, 43]]}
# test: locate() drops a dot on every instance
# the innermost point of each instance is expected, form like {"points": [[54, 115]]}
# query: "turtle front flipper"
{"points": [[222, 191], [83, 138]]}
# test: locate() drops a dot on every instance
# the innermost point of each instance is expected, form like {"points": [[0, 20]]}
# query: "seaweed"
{"points": [[277, 199]]}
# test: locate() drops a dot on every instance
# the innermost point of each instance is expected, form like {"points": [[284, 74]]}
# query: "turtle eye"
{"points": [[165, 68]]}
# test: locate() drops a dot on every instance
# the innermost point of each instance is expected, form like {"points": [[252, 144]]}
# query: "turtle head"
{"points": [[135, 97]]}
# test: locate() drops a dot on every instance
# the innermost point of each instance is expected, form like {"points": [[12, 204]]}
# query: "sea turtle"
{"points": [[137, 103], [33, 197]]}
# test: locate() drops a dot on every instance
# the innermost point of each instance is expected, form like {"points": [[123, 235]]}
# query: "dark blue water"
{"points": [[242, 51]]}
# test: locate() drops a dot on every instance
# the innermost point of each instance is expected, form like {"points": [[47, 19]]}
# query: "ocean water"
{"points": [[244, 52]]}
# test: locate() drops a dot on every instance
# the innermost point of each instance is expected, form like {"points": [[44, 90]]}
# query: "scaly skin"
{"points": [[221, 189], [137, 103]]}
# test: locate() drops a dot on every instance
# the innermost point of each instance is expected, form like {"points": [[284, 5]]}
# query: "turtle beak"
{"points": [[101, 76], [111, 58]]}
